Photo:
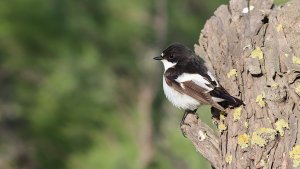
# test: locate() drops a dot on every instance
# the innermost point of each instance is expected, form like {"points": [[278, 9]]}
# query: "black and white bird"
{"points": [[187, 83]]}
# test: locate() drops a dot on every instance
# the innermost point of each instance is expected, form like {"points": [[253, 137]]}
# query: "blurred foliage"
{"points": [[70, 77], [278, 2]]}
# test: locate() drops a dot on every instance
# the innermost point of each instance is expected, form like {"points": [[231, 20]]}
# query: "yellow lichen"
{"points": [[228, 158], [262, 136], [232, 72], [260, 99], [267, 133], [295, 155], [222, 117], [280, 125], [296, 60], [246, 125], [243, 140], [262, 163], [222, 127], [297, 89], [237, 113], [256, 139], [279, 27], [257, 53], [274, 85]]}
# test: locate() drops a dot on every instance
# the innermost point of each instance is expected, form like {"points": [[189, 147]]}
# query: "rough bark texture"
{"points": [[233, 39]]}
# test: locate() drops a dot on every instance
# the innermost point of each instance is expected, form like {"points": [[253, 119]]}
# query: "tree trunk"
{"points": [[253, 48]]}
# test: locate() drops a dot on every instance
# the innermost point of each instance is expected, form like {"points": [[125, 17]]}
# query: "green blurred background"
{"points": [[79, 88]]}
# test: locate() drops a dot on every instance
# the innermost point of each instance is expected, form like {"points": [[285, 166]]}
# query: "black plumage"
{"points": [[188, 83]]}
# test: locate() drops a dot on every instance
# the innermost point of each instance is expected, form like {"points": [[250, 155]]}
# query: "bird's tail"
{"points": [[224, 96], [233, 101]]}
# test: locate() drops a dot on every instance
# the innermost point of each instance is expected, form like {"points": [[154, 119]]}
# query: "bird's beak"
{"points": [[158, 58]]}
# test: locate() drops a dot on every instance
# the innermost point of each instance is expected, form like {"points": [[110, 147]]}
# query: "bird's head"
{"points": [[174, 54]]}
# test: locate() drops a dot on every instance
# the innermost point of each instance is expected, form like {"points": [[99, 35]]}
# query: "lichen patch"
{"points": [[296, 60], [262, 136], [295, 155], [256, 139], [279, 27], [257, 53], [281, 124], [237, 113], [243, 140], [222, 127], [274, 85], [297, 89], [246, 125], [228, 158], [231, 73], [260, 99]]}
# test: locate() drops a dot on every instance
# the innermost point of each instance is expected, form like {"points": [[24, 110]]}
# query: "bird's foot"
{"points": [[182, 122]]}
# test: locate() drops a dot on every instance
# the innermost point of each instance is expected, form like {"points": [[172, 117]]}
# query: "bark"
{"points": [[263, 46]]}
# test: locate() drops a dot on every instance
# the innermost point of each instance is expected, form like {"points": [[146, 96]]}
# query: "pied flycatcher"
{"points": [[187, 83]]}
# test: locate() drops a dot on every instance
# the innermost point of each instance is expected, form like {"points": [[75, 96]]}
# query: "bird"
{"points": [[188, 84]]}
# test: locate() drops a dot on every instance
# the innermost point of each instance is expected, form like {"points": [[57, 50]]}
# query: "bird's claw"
{"points": [[183, 123]]}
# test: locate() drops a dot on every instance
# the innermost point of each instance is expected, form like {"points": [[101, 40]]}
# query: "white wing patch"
{"points": [[182, 85], [213, 78], [196, 78], [216, 99]]}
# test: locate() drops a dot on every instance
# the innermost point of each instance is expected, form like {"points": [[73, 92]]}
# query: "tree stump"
{"points": [[253, 48]]}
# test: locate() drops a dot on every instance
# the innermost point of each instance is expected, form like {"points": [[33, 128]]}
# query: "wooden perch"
{"points": [[253, 48], [204, 139]]}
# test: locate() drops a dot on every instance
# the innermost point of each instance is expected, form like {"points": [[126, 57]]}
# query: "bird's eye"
{"points": [[171, 56]]}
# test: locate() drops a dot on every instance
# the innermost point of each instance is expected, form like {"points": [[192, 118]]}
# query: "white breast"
{"points": [[179, 100]]}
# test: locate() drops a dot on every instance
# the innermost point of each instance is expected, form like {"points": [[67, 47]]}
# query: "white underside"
{"points": [[179, 100]]}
